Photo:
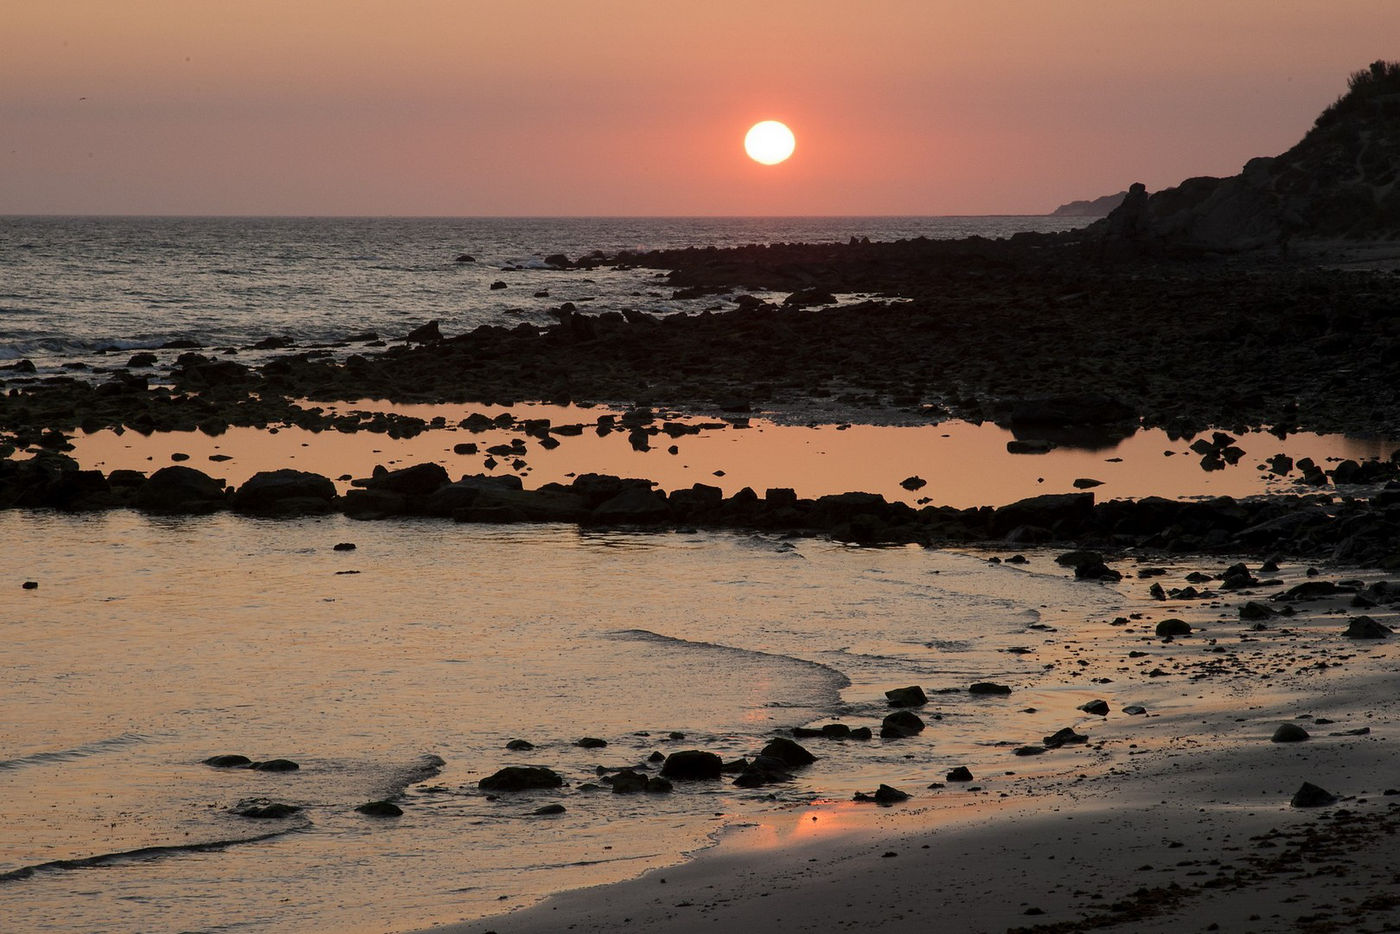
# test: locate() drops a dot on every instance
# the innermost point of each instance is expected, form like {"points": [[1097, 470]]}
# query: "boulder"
{"points": [[521, 778], [959, 774], [1289, 733], [233, 761], [763, 770], [284, 491], [276, 765], [380, 809], [1309, 795], [788, 752], [912, 696], [1364, 627], [901, 724], [692, 765], [1173, 627], [988, 687], [1098, 708], [180, 489]]}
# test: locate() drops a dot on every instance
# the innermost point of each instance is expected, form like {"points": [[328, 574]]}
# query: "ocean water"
{"points": [[404, 667], [72, 286]]}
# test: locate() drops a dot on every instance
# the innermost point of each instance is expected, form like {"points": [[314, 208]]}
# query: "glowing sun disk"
{"points": [[769, 142]]}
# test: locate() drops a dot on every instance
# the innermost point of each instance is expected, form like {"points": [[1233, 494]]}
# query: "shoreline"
{"points": [[1177, 820]]}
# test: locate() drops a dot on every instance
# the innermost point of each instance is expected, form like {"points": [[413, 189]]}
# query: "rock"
{"points": [[179, 489], [988, 687], [464, 258], [591, 742], [692, 765], [1309, 795], [912, 696], [1254, 610], [884, 796], [418, 480], [1098, 708], [344, 546], [634, 505], [520, 745], [959, 774], [1064, 737], [268, 811], [425, 334], [1096, 571], [284, 491], [763, 770], [143, 359], [380, 809], [233, 761], [1173, 627], [275, 765], [1134, 710], [788, 752], [627, 782], [548, 809], [1028, 750], [1289, 733], [1073, 559], [1364, 627], [521, 778], [658, 786], [901, 724], [1062, 513], [29, 585]]}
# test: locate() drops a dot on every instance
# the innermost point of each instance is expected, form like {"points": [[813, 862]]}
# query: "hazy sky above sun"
{"points": [[627, 107]]}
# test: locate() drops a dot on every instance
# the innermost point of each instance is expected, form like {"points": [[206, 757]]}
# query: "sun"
{"points": [[769, 142]]}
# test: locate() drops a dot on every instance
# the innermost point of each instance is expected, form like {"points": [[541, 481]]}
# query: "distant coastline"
{"points": [[1098, 207]]}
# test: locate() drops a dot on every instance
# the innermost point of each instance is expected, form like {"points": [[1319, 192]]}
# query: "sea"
{"points": [[401, 668]]}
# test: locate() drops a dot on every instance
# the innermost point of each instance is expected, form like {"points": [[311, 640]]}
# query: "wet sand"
{"points": [[1177, 819]]}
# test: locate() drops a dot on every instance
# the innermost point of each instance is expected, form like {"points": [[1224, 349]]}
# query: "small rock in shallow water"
{"points": [[789, 752], [520, 745], [1064, 737], [344, 546], [959, 774], [268, 811], [591, 742], [1098, 708], [520, 778], [30, 585], [1289, 733], [988, 687], [229, 761], [901, 724], [380, 809], [692, 765], [549, 809], [884, 795], [912, 696], [276, 765]]}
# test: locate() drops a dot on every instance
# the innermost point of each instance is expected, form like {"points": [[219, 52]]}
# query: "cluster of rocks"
{"points": [[1357, 531]]}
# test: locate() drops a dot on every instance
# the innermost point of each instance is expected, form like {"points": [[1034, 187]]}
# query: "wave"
{"points": [[834, 680], [143, 853], [77, 752]]}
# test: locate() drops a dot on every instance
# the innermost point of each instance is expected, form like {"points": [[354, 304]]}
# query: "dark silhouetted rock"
{"points": [[912, 696], [885, 795], [692, 765], [1309, 795], [1289, 733], [284, 491], [521, 778], [1064, 737], [959, 774], [763, 770], [788, 752], [591, 742], [276, 765], [180, 489], [1364, 627], [425, 334], [1254, 610], [548, 809], [520, 745], [233, 761], [380, 809], [1098, 708], [1173, 627], [989, 687], [901, 724]]}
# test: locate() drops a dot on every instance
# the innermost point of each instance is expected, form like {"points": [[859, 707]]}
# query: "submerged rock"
{"points": [[901, 724], [276, 765], [380, 809], [232, 761]]}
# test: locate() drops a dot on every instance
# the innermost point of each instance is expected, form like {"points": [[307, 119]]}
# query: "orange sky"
{"points": [[626, 107]]}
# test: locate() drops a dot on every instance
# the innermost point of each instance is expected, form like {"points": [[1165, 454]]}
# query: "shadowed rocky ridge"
{"points": [[1339, 181]]}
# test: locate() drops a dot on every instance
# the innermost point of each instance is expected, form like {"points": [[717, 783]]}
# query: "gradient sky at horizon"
{"points": [[623, 107]]}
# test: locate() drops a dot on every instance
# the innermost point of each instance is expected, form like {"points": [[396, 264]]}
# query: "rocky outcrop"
{"points": [[1098, 207], [1339, 181]]}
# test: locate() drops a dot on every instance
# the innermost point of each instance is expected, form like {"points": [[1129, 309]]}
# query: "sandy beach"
{"points": [[1176, 819]]}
